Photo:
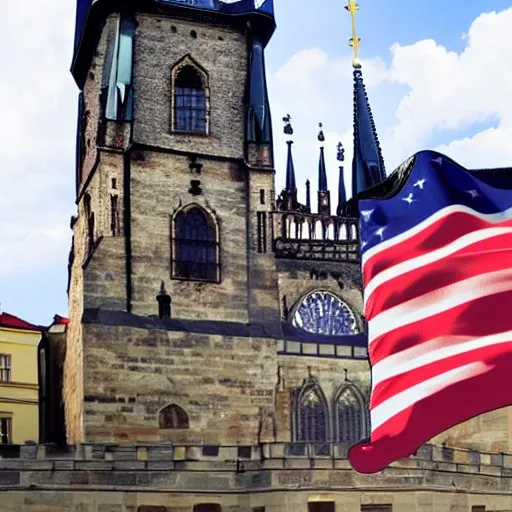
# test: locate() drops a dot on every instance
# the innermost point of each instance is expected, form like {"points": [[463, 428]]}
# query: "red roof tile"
{"points": [[13, 322], [57, 319]]}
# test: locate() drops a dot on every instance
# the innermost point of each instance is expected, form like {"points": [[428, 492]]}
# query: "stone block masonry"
{"points": [[108, 478]]}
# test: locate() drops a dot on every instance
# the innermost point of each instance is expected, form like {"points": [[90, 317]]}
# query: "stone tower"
{"points": [[174, 178]]}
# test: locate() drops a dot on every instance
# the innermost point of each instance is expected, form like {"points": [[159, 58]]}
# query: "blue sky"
{"points": [[431, 85]]}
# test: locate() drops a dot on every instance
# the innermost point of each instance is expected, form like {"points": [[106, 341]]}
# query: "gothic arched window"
{"points": [[173, 417], [325, 314], [190, 99], [311, 416], [195, 246], [350, 415]]}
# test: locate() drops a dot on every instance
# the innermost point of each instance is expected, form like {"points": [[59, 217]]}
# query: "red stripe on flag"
{"points": [[405, 432], [396, 384], [435, 235], [440, 273], [457, 321]]}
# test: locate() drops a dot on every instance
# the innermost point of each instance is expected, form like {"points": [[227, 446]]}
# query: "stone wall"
{"points": [[160, 186], [160, 44], [224, 383], [107, 478]]}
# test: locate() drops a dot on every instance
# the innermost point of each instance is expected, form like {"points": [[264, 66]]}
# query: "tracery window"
{"points": [[325, 314], [312, 416], [351, 415], [173, 417], [190, 100], [195, 246]]}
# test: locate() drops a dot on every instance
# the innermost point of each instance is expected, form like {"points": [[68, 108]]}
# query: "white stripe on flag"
{"points": [[431, 257], [439, 301], [431, 352], [445, 212], [405, 399]]}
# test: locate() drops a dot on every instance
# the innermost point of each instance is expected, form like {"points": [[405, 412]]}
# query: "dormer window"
{"points": [[190, 98]]}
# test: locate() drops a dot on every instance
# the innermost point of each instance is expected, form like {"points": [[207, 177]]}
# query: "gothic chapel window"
{"points": [[195, 246], [351, 416], [312, 417], [190, 100]]}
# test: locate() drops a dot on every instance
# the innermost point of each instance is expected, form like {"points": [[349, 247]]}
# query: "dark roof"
{"points": [[13, 322], [289, 333]]}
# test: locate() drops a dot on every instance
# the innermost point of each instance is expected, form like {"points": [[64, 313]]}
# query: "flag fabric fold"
{"points": [[437, 284]]}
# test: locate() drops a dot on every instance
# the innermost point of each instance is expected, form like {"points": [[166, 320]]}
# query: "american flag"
{"points": [[437, 274]]}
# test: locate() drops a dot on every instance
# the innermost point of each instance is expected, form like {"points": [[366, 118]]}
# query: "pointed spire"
{"points": [[342, 195], [308, 196], [367, 164], [322, 173], [290, 169], [258, 123], [287, 200], [324, 199]]}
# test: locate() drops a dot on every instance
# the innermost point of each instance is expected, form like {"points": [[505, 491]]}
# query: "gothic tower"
{"points": [[174, 188]]}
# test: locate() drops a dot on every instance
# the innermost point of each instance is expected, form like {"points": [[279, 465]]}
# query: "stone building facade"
{"points": [[206, 317]]}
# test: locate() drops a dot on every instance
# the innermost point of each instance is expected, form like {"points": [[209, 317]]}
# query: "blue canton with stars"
{"points": [[434, 182]]}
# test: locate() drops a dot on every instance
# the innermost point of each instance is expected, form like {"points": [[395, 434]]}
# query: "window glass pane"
{"points": [[312, 418], [196, 246], [351, 417], [5, 368], [189, 101], [5, 430]]}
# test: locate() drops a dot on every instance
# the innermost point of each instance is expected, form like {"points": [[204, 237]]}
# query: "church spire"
{"points": [[342, 195], [324, 199], [367, 164], [290, 169], [288, 199]]}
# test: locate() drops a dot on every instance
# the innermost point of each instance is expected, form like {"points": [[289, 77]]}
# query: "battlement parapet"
{"points": [[270, 456]]}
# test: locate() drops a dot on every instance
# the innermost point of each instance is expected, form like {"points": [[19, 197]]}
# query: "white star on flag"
{"points": [[473, 193], [408, 199], [367, 214], [380, 232], [420, 183]]}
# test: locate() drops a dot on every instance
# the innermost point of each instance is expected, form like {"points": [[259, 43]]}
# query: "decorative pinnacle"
{"points": [[321, 136], [354, 41], [288, 130], [341, 152]]}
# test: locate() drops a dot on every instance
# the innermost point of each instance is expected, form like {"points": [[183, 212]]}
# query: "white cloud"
{"points": [[37, 96]]}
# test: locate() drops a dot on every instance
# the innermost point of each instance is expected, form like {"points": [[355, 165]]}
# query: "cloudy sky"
{"points": [[438, 75]]}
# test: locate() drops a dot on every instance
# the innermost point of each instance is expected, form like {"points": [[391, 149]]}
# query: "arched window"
{"points": [[351, 415], [311, 416], [195, 245], [325, 314], [190, 100], [173, 417]]}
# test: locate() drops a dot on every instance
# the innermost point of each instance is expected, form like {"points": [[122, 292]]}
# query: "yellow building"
{"points": [[19, 417]]}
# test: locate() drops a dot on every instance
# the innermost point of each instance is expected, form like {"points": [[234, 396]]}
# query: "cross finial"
{"points": [[354, 41]]}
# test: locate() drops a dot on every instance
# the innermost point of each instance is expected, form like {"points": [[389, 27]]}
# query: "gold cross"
{"points": [[354, 41]]}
